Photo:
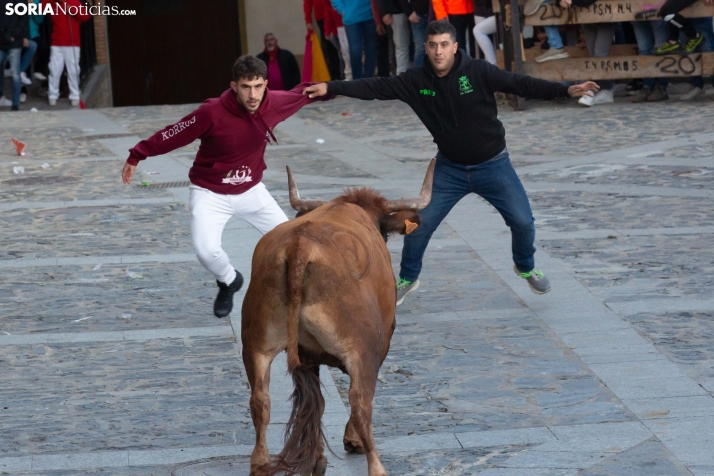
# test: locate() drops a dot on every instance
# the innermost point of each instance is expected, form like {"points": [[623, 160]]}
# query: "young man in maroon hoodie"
{"points": [[226, 175]]}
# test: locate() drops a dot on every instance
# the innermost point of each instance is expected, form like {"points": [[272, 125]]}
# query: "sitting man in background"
{"points": [[283, 69]]}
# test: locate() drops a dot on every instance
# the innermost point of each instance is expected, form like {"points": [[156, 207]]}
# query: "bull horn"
{"points": [[295, 201], [422, 200]]}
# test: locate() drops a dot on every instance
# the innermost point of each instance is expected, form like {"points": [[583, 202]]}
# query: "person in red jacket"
{"points": [[227, 172], [64, 50], [328, 48]]}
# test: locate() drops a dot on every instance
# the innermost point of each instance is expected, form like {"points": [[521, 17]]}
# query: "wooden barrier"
{"points": [[603, 11], [622, 67], [622, 63]]}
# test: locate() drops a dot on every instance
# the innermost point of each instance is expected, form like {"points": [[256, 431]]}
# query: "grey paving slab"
{"points": [[188, 392], [524, 436], [101, 459], [690, 439], [106, 298], [649, 458], [674, 407]]}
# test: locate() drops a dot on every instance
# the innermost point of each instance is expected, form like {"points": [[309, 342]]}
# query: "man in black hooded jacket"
{"points": [[453, 95]]}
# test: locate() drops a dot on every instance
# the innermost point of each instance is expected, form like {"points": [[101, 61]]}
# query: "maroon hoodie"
{"points": [[230, 159]]}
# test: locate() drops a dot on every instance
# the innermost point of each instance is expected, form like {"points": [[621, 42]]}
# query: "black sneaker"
{"points": [[224, 301]]}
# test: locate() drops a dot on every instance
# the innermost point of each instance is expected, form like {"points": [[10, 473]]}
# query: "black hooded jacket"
{"points": [[13, 28], [459, 109]]}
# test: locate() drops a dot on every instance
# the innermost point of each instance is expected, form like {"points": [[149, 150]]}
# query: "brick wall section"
{"points": [[100, 37]]}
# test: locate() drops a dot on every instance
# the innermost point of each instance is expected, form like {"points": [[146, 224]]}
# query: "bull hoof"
{"points": [[320, 467], [352, 447]]}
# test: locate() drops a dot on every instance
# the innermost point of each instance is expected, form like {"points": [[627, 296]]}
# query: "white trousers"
{"points": [[211, 211], [483, 28], [345, 48], [61, 57], [401, 31]]}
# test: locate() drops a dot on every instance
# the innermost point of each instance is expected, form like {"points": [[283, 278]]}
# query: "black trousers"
{"points": [[332, 56], [677, 22], [464, 25]]}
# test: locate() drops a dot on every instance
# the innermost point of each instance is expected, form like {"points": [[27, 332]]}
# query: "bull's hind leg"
{"points": [[257, 367], [358, 434]]}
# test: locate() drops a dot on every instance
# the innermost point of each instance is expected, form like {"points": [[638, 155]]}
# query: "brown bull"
{"points": [[323, 289]]}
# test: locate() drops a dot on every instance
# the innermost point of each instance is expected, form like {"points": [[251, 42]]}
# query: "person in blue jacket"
{"points": [[361, 35]]}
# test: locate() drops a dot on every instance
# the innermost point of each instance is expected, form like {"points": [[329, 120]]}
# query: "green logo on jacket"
{"points": [[465, 85], [427, 92]]}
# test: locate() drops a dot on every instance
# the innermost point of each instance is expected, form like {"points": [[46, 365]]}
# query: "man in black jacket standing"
{"points": [[13, 36], [283, 69], [453, 95]]}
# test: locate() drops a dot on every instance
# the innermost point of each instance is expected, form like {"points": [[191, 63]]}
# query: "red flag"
{"points": [[19, 146]]}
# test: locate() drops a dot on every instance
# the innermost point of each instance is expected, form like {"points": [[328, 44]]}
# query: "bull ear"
{"points": [[402, 222], [295, 201], [424, 197]]}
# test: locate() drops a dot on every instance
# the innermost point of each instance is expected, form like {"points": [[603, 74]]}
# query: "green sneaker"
{"points": [[667, 48], [404, 287], [536, 280], [692, 44]]}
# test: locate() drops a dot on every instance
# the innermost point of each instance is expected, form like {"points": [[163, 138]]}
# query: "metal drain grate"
{"points": [[153, 186], [41, 180]]}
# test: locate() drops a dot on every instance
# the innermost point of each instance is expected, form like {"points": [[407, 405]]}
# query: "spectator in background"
{"points": [[460, 13], [383, 46], [555, 41], [394, 18], [319, 8], [650, 34], [65, 49], [34, 40], [43, 49], [417, 11], [485, 25], [361, 35], [283, 69], [598, 38], [678, 24], [335, 34], [704, 27], [13, 35]]}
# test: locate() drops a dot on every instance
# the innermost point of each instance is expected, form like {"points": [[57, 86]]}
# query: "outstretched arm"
{"points": [[384, 89], [529, 87], [171, 137]]}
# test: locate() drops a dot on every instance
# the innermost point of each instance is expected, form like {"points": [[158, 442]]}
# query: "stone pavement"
{"points": [[113, 363]]}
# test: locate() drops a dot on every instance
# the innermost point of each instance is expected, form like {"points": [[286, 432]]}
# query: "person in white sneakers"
{"points": [[65, 48], [226, 175]]}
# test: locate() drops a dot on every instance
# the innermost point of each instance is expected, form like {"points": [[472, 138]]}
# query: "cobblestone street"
{"points": [[113, 363]]}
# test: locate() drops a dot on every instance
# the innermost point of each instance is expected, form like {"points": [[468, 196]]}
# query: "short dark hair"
{"points": [[249, 67], [439, 28]]}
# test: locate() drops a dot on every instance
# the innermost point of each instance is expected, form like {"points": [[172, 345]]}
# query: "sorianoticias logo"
{"points": [[62, 8], [465, 85], [239, 176]]}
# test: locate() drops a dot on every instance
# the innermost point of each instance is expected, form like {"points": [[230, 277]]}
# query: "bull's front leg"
{"points": [[257, 368]]}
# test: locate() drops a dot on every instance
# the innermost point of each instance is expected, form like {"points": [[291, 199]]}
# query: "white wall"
{"points": [[285, 18]]}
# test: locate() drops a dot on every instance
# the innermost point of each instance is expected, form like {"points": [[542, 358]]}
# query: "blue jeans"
{"points": [[704, 27], [419, 37], [14, 56], [495, 181], [553, 34], [362, 38], [650, 35], [27, 55]]}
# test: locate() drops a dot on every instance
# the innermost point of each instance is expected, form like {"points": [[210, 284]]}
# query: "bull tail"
{"points": [[303, 432], [297, 265]]}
